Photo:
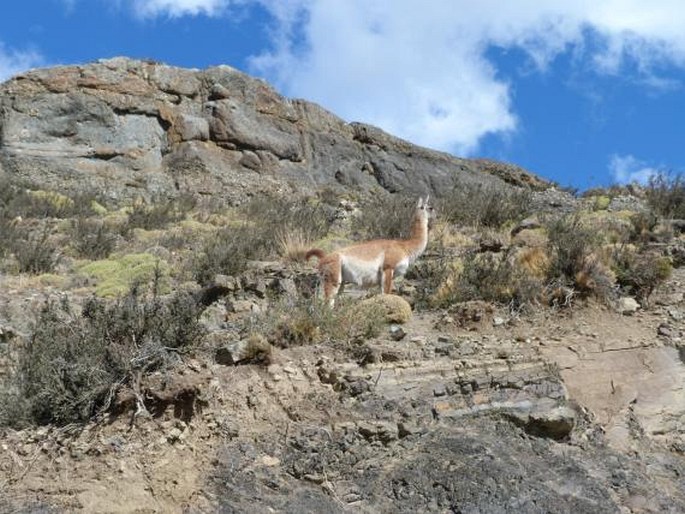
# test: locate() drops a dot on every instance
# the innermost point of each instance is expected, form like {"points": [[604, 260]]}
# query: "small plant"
{"points": [[480, 205], [29, 203], [570, 244], [8, 235], [159, 213], [494, 277], [643, 225], [274, 217], [666, 195], [268, 226], [387, 217], [640, 273], [301, 322], [36, 253], [115, 276], [92, 238], [226, 252], [575, 263]]}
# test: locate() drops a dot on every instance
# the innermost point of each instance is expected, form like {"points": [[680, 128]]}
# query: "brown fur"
{"points": [[373, 262]]}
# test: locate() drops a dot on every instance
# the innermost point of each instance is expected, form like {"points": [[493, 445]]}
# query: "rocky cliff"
{"points": [[131, 128]]}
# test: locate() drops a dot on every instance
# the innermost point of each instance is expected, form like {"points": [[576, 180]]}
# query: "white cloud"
{"points": [[178, 8], [16, 61], [420, 70], [626, 169]]}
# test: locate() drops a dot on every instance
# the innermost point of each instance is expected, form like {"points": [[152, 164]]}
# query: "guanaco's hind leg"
{"points": [[332, 277], [387, 280]]}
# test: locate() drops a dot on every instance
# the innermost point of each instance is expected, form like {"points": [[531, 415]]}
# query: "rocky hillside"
{"points": [[162, 348], [132, 128]]}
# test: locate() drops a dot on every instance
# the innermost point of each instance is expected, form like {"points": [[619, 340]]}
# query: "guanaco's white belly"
{"points": [[401, 267], [364, 273]]}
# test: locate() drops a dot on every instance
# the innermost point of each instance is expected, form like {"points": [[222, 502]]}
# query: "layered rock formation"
{"points": [[130, 128]]}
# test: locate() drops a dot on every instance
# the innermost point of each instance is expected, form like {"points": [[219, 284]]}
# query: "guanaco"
{"points": [[374, 262]]}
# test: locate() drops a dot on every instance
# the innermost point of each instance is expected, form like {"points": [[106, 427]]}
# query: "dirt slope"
{"points": [[571, 411]]}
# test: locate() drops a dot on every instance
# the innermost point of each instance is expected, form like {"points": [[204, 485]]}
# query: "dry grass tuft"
{"points": [[293, 246]]}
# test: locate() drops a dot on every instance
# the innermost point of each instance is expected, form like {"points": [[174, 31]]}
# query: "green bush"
{"points": [[643, 225], [273, 217], [115, 276], [227, 252], [8, 235], [571, 244], [74, 363]]}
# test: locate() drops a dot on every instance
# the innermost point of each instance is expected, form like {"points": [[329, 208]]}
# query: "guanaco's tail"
{"points": [[314, 252]]}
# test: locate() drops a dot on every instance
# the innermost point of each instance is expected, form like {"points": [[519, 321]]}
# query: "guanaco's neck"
{"points": [[419, 236]]}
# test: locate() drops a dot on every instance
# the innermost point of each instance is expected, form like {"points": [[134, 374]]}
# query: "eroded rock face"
{"points": [[130, 128]]}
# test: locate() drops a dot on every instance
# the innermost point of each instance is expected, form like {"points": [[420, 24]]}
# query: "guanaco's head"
{"points": [[424, 212]]}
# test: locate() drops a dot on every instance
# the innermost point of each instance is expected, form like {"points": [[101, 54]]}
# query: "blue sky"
{"points": [[582, 92]]}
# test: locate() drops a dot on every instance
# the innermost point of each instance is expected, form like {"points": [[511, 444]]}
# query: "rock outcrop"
{"points": [[130, 128]]}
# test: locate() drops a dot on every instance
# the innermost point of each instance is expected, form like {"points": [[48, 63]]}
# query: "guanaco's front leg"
{"points": [[387, 280]]}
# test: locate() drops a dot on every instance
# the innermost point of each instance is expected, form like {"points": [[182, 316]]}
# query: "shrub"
{"points": [[274, 217], [73, 364], [267, 224], [485, 205], [570, 244], [388, 217], [46, 204], [601, 203], [495, 277], [639, 274], [643, 225], [160, 212], [92, 238], [8, 235], [666, 195], [35, 252], [227, 252], [574, 262], [299, 322]]}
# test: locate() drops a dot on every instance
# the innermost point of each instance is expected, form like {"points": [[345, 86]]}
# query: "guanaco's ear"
{"points": [[425, 202], [420, 204]]}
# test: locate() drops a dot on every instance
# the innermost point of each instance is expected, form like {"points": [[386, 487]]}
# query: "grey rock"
{"points": [[136, 128], [675, 314], [527, 224], [397, 333], [666, 330], [214, 317], [232, 353], [627, 305]]}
